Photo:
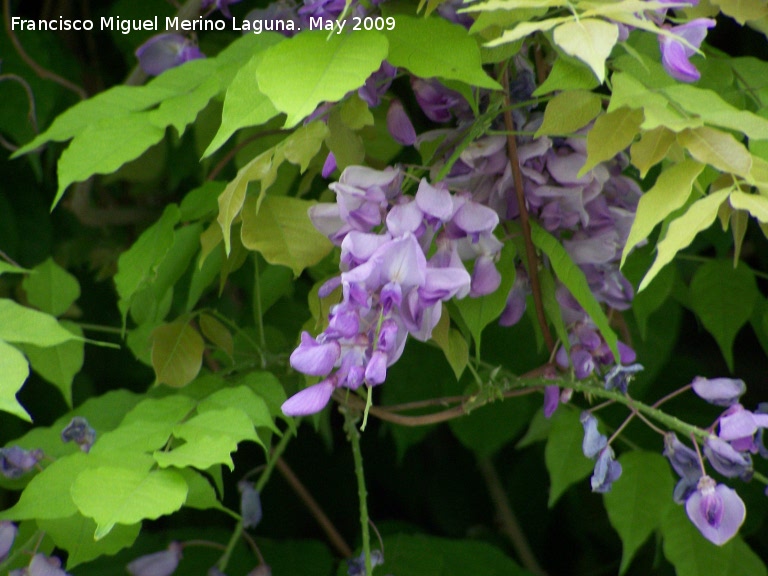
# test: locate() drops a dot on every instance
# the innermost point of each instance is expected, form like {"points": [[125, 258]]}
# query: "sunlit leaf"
{"points": [[569, 111], [590, 40], [13, 373]]}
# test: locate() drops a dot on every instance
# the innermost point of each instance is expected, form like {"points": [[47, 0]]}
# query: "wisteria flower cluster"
{"points": [[401, 257]]}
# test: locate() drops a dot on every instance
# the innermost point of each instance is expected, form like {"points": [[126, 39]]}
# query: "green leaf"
{"points": [[60, 363], [200, 495], [305, 142], [671, 191], [322, 69], [525, 29], [573, 278], [231, 423], [743, 10], [569, 111], [692, 555], [177, 353], [14, 371], [267, 387], [21, 325], [430, 47], [6, 268], [479, 312], [95, 150], [567, 74], [720, 149], [637, 503], [589, 40], [50, 288], [75, 535], [755, 204], [422, 555], [112, 495], [681, 232], [217, 333], [138, 265], [651, 149], [723, 297], [355, 113], [203, 453], [563, 456], [452, 343], [201, 202], [612, 133], [244, 104], [182, 109], [283, 233], [243, 398], [346, 144]]}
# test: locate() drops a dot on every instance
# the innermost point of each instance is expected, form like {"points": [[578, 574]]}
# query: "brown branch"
{"points": [[509, 524], [39, 70], [530, 250], [314, 508]]}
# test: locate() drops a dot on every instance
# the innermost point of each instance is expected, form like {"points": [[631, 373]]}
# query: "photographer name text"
{"points": [[176, 24]]}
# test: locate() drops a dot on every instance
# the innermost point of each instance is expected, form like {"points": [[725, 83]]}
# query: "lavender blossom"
{"points": [[80, 432], [719, 391], [377, 84], [158, 564], [675, 55], [685, 461], [551, 400], [165, 51], [607, 471], [399, 124], [726, 460], [8, 531], [620, 376], [716, 510], [593, 441], [41, 565], [15, 461], [739, 426]]}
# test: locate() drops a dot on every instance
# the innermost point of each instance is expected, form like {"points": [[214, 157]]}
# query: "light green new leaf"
{"points": [[181, 110], [567, 74], [231, 423], [573, 279], [203, 453], [755, 204], [232, 199], [305, 142], [525, 29], [720, 149], [346, 144], [743, 10], [569, 111], [60, 363], [430, 47], [681, 232], [723, 297], [243, 398], [637, 504], [355, 114], [112, 495], [138, 265], [322, 69], [692, 555], [671, 191], [177, 353], [96, 151], [590, 40], [6, 268], [479, 312], [75, 535], [13, 373], [50, 288], [563, 456], [452, 343], [651, 149], [612, 133], [20, 325], [244, 105], [283, 232]]}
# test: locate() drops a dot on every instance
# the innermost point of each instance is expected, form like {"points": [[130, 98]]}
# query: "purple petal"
{"points": [[404, 262], [485, 277], [719, 391], [329, 165], [434, 201], [716, 510], [444, 284], [313, 358], [737, 423], [593, 441], [551, 400], [376, 371], [474, 218], [310, 400], [42, 565], [726, 460], [399, 124], [8, 533], [607, 471], [406, 217], [165, 51], [158, 564], [684, 460]]}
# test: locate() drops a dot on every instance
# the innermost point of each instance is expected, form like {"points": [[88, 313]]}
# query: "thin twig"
{"points": [[39, 70], [509, 524], [530, 250], [314, 508]]}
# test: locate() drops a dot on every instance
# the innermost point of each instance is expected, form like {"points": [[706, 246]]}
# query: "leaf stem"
{"points": [[354, 438]]}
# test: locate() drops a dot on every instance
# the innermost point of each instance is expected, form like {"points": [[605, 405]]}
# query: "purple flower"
{"points": [[686, 463], [399, 124], [221, 5], [515, 307], [377, 84], [15, 461], [158, 564], [80, 432], [250, 504], [716, 510], [329, 166], [551, 400], [315, 358], [165, 51], [726, 460], [356, 566], [8, 531], [620, 376], [42, 565], [593, 441], [437, 101], [310, 400], [738, 426], [719, 391], [675, 56], [607, 471]]}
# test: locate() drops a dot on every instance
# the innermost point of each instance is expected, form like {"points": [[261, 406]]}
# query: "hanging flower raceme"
{"points": [[390, 288]]}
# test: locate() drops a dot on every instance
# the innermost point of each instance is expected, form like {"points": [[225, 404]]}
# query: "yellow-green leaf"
{"points": [[612, 133], [177, 353], [569, 111], [717, 148], [13, 373], [590, 40], [651, 149]]}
